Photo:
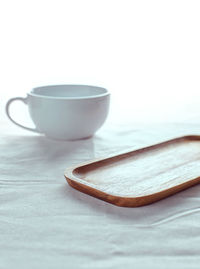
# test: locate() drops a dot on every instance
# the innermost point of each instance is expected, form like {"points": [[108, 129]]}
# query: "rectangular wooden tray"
{"points": [[142, 176]]}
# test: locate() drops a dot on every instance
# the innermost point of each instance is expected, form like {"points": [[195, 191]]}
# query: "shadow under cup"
{"points": [[66, 112]]}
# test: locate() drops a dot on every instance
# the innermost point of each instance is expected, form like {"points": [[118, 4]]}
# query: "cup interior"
{"points": [[69, 91]]}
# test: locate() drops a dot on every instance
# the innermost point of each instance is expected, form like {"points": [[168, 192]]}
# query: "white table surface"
{"points": [[44, 223]]}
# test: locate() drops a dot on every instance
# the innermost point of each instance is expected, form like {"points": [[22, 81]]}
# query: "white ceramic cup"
{"points": [[65, 112]]}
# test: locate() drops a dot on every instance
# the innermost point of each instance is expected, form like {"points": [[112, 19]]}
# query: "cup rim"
{"points": [[31, 93]]}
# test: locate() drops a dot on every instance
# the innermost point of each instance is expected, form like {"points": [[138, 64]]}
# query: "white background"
{"points": [[147, 53]]}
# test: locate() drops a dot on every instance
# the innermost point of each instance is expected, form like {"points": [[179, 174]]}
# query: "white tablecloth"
{"points": [[44, 223]]}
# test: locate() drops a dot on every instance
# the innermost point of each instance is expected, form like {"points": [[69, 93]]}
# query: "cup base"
{"points": [[68, 139]]}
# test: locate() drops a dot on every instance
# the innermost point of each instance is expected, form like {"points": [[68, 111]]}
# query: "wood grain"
{"points": [[142, 176]]}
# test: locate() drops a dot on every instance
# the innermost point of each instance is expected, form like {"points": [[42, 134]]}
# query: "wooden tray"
{"points": [[142, 176]]}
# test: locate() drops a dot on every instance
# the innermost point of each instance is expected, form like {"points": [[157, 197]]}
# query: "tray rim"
{"points": [[130, 201]]}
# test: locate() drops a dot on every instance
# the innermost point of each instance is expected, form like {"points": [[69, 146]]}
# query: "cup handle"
{"points": [[24, 100]]}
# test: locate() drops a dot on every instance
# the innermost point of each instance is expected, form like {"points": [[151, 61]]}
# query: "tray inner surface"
{"points": [[146, 171]]}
